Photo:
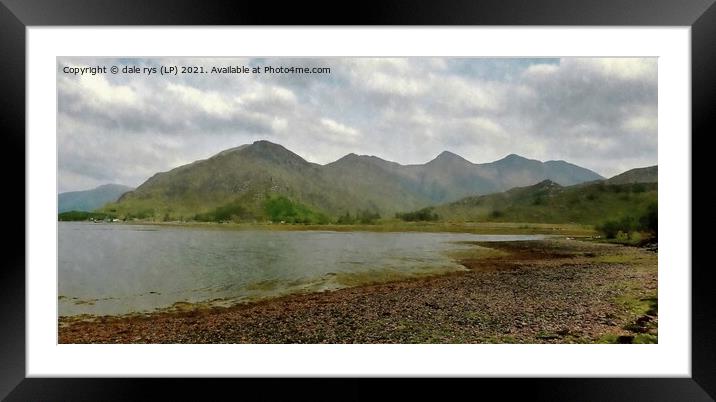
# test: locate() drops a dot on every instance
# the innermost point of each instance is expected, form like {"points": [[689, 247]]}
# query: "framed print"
{"points": [[475, 196]]}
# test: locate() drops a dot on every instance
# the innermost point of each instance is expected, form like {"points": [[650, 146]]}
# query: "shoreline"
{"points": [[547, 291], [486, 228]]}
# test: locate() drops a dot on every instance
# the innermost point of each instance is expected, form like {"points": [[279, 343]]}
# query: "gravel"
{"points": [[552, 291]]}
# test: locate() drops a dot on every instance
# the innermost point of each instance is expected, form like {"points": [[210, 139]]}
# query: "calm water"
{"points": [[117, 269]]}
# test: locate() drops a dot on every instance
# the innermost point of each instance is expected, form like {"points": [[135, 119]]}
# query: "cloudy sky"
{"points": [[599, 113]]}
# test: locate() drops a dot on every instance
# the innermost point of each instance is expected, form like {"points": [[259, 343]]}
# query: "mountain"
{"points": [[450, 177], [514, 171], [243, 175], [246, 177], [240, 181], [372, 183], [640, 175], [549, 202], [89, 200]]}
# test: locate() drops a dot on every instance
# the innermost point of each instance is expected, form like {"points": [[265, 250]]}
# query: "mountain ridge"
{"points": [[250, 174], [649, 174], [89, 200]]}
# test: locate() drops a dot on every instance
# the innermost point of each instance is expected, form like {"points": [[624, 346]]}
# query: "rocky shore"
{"points": [[551, 291]]}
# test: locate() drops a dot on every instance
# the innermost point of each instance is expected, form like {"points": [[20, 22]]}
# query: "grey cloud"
{"points": [[599, 113]]}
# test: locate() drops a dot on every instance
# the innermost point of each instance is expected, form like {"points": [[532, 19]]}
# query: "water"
{"points": [[119, 269]]}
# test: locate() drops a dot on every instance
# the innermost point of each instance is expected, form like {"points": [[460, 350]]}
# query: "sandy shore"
{"points": [[552, 291]]}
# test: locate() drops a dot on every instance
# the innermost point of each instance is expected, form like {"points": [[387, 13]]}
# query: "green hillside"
{"points": [[249, 176], [239, 182], [548, 202], [275, 209], [639, 175]]}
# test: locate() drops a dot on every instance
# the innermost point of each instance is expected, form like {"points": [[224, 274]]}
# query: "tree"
{"points": [[650, 220], [346, 219], [425, 214]]}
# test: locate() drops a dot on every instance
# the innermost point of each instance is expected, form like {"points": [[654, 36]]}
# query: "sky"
{"points": [[598, 113]]}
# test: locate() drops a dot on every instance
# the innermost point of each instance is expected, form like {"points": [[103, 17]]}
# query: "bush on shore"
{"points": [[70, 216], [425, 214], [628, 225]]}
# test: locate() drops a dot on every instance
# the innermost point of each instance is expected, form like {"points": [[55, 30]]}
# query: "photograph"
{"points": [[357, 200], [383, 201]]}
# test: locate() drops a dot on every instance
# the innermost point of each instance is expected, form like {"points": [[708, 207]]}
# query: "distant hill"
{"points": [[89, 200], [240, 181], [548, 202], [640, 175], [450, 177]]}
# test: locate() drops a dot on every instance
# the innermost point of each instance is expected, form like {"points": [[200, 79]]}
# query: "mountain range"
{"points": [[248, 175], [89, 200]]}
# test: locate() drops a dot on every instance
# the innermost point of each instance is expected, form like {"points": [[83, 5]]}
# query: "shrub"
{"points": [[609, 228], [613, 228], [425, 214], [346, 219], [283, 209], [649, 221], [638, 188], [497, 214], [367, 216], [230, 212], [646, 222], [144, 214], [83, 216]]}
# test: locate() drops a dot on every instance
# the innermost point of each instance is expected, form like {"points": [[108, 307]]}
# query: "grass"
{"points": [[634, 339], [378, 276], [582, 206], [636, 304], [639, 305], [645, 339], [588, 203], [609, 339]]}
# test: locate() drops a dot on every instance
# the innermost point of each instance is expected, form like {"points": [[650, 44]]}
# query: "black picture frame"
{"points": [[16, 15]]}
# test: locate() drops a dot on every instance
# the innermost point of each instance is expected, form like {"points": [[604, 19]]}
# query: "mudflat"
{"points": [[546, 291]]}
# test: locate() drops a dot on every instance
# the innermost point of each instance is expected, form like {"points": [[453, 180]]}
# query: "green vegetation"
{"points": [[362, 217], [638, 305], [281, 209], [645, 339], [141, 214], [346, 219], [637, 301], [548, 202], [234, 211], [83, 216], [649, 221], [629, 226], [276, 209], [625, 213], [425, 214], [367, 217]]}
